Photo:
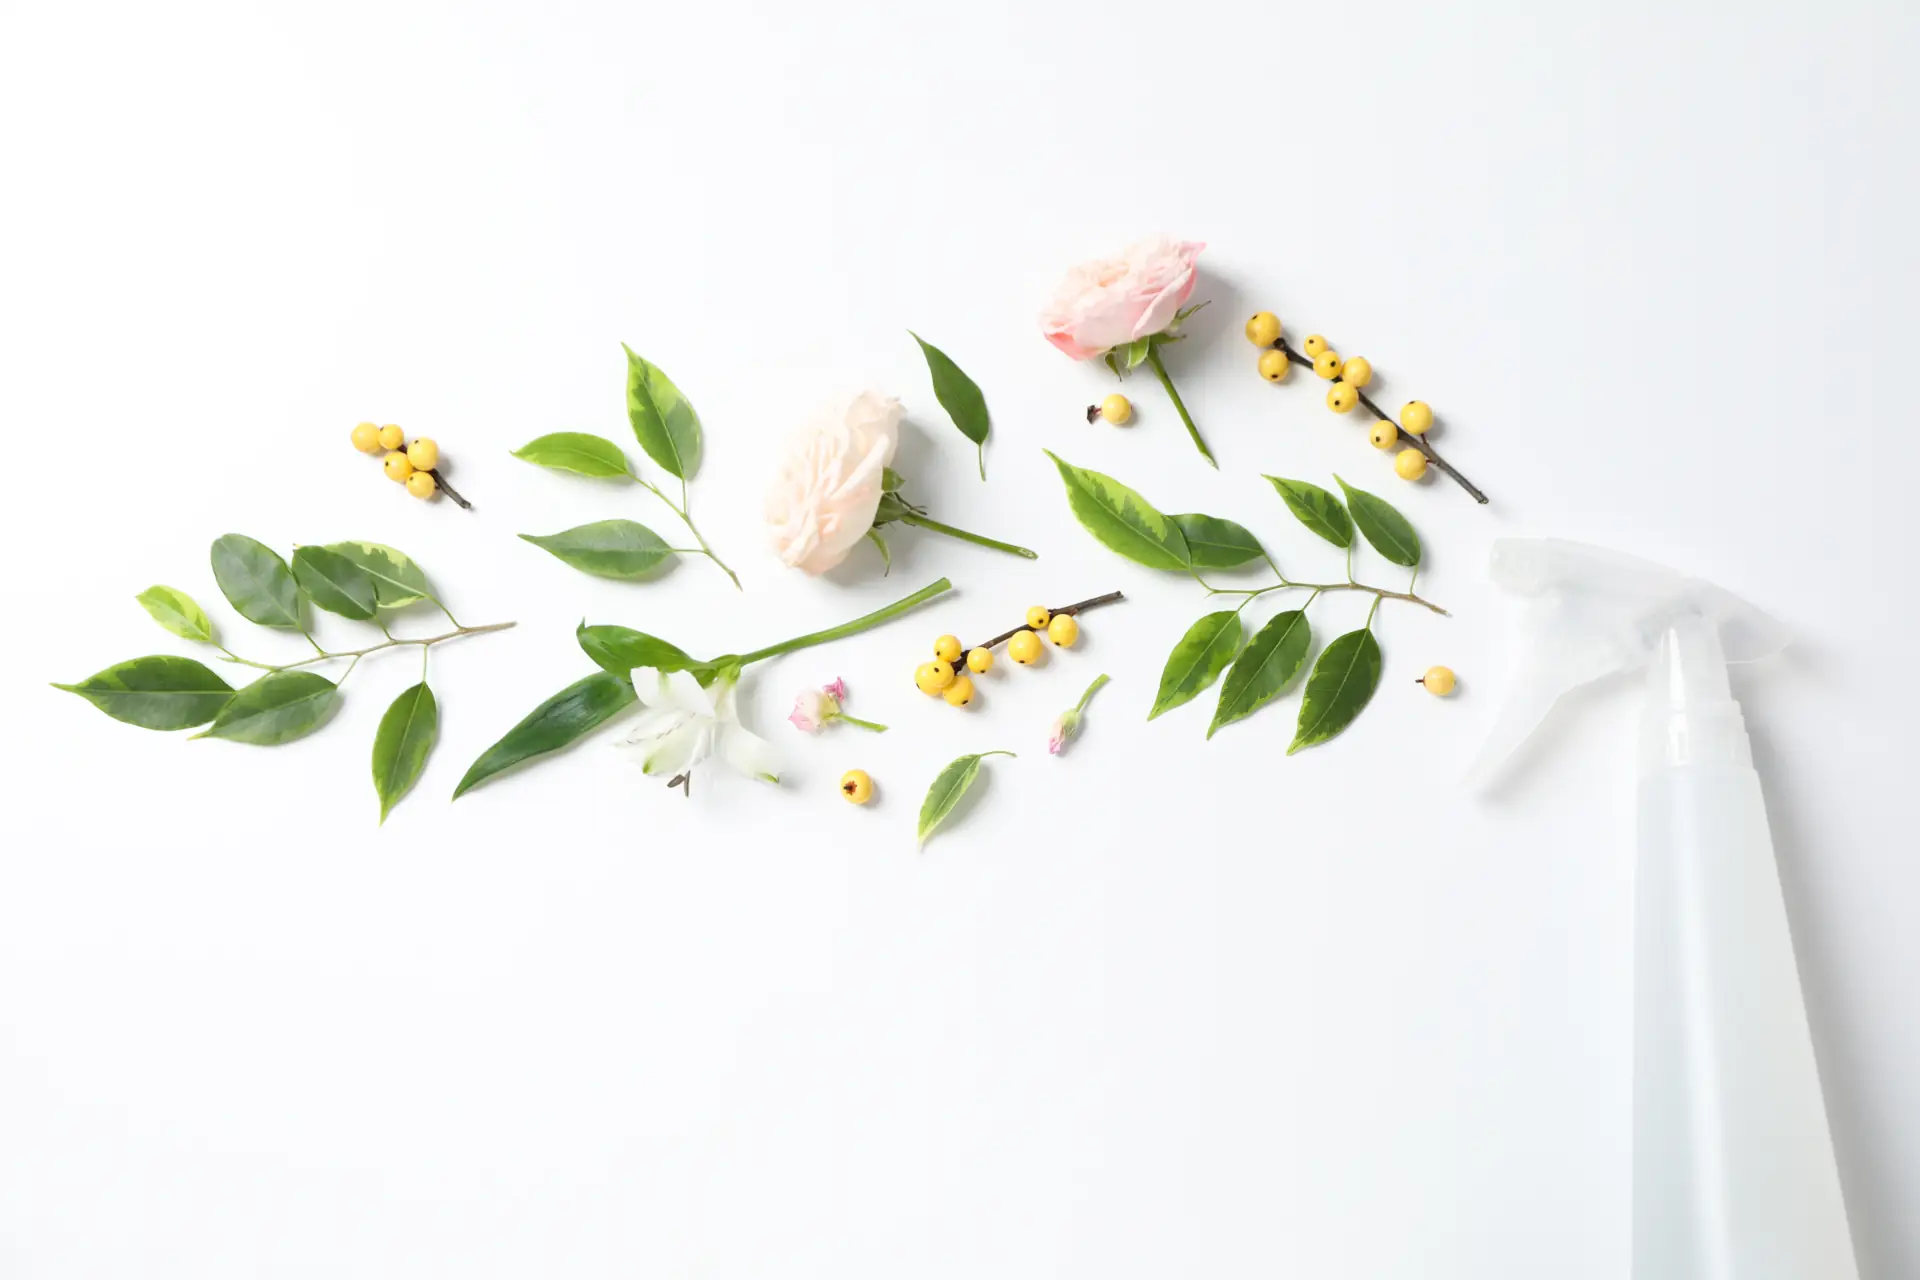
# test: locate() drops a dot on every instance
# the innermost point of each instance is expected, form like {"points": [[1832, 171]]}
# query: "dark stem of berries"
{"points": [[449, 490], [1064, 611], [1417, 441]]}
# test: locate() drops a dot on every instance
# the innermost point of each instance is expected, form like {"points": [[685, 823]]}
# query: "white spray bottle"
{"points": [[1733, 1168]]}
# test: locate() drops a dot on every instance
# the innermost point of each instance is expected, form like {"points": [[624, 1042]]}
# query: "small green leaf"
{"points": [[621, 649], [663, 421], [1382, 526], [1197, 661], [256, 581], [178, 612], [886, 552], [335, 583], [1135, 353], [891, 480], [1342, 682], [278, 707], [161, 692], [959, 395], [618, 549], [1112, 359], [1213, 543], [951, 784], [578, 452], [1317, 509], [401, 745], [397, 580], [1266, 666], [566, 717], [1121, 519]]}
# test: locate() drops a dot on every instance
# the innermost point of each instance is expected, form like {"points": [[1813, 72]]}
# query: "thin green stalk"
{"points": [[864, 623], [681, 509], [924, 522], [1180, 406], [425, 642], [1092, 689], [864, 724], [1378, 593]]}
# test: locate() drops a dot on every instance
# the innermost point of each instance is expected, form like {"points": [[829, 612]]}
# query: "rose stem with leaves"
{"points": [[1064, 611], [1406, 437], [1179, 405], [978, 539]]}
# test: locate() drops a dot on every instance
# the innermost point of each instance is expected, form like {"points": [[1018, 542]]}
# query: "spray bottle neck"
{"points": [[1691, 717]]}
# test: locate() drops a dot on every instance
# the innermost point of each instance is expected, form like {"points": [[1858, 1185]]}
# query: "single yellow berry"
{"points": [[1263, 329], [1410, 464], [960, 692], [1313, 346], [1327, 364], [398, 468], [947, 648], [424, 454], [933, 677], [1356, 372], [392, 437], [1064, 630], [1438, 681], [1415, 417], [1117, 409], [421, 484], [1274, 366], [366, 438], [1383, 435], [1037, 616], [1024, 648], [856, 786], [1341, 398], [979, 661]]}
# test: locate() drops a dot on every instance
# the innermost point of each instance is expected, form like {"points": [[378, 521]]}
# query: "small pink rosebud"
{"points": [[812, 710], [1062, 730], [837, 690]]}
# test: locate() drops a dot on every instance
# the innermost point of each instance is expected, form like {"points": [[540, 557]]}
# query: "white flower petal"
{"points": [[651, 726], [747, 753], [680, 750]]}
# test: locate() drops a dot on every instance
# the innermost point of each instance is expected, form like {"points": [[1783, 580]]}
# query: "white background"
{"points": [[1160, 1007]]}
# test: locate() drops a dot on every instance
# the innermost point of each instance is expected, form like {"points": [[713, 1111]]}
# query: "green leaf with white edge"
{"points": [[561, 720], [959, 395], [1383, 526], [1137, 351], [620, 650], [619, 549], [401, 744], [178, 612], [1265, 667], [886, 552], [1214, 543], [663, 421], [1317, 509], [1121, 519], [580, 452], [1197, 661], [278, 707], [335, 583], [948, 787], [256, 581], [1341, 685], [397, 580], [161, 692]]}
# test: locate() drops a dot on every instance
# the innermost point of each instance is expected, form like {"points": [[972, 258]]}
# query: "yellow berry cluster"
{"points": [[415, 464], [941, 678]]}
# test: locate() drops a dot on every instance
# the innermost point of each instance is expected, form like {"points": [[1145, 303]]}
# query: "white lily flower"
{"points": [[684, 724]]}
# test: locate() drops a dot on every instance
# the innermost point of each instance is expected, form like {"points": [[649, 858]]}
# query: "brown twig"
{"points": [[448, 489], [1065, 610]]}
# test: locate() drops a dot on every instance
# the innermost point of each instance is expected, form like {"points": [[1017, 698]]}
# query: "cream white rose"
{"points": [[830, 481]]}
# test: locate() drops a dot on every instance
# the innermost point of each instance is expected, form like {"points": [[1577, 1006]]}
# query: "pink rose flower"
{"points": [[1111, 302], [828, 490]]}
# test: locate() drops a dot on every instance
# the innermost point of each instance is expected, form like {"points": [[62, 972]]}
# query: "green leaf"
{"points": [[1268, 664], [579, 452], [886, 552], [1382, 526], [397, 580], [1197, 661], [566, 717], [951, 783], [891, 480], [621, 649], [1135, 353], [618, 549], [256, 581], [401, 745], [178, 612], [335, 583], [959, 395], [663, 421], [1112, 359], [1317, 509], [1121, 519], [278, 707], [1342, 682], [161, 692], [1213, 543]]}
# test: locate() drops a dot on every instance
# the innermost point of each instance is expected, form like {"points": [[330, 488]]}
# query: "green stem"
{"points": [[866, 622], [923, 522], [1180, 406], [424, 642], [681, 509], [864, 724], [1092, 689], [1378, 593]]}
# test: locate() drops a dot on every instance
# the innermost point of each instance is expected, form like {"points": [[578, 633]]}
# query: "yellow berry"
{"points": [[1341, 398], [960, 692], [1383, 435], [1117, 409], [1410, 464], [366, 438], [1327, 364], [1438, 680], [421, 484], [1064, 630], [424, 454], [1263, 329], [1037, 616], [933, 677], [398, 468], [1024, 648], [392, 437], [1313, 346], [1415, 417], [856, 786], [1274, 366], [947, 648], [1357, 372], [979, 661]]}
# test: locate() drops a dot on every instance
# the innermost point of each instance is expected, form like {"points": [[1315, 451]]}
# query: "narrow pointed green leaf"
{"points": [[663, 421], [178, 612], [579, 452], [1264, 668], [886, 552], [1197, 661], [565, 718], [1317, 509], [1121, 519], [1341, 685], [397, 580], [335, 583], [278, 707], [161, 692], [617, 549], [401, 744], [1383, 526], [1135, 353], [256, 581], [1214, 543], [959, 395], [948, 787], [620, 650]]}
